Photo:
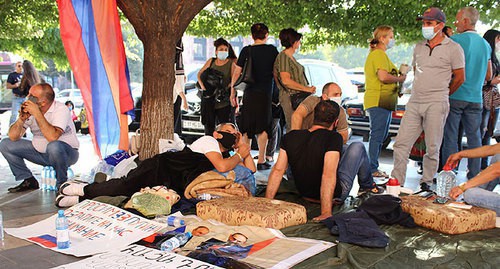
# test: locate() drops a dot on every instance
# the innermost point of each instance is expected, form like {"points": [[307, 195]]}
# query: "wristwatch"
{"points": [[462, 186]]}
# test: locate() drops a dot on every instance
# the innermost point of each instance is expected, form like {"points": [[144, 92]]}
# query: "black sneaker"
{"points": [[28, 184]]}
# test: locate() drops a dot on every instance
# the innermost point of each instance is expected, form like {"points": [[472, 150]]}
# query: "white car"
{"points": [[73, 95]]}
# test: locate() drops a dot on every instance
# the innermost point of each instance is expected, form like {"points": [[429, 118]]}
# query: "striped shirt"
{"points": [[284, 63]]}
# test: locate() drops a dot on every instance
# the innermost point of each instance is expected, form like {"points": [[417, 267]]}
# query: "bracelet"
{"points": [[239, 155], [462, 186]]}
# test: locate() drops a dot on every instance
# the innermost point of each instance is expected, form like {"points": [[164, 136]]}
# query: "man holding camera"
{"points": [[54, 138]]}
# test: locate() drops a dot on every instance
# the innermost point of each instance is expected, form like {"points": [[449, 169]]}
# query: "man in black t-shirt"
{"points": [[13, 82], [313, 156]]}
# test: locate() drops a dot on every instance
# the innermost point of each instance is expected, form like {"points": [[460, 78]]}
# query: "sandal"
{"points": [[380, 174]]}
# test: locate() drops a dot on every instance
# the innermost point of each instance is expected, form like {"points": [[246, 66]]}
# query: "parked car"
{"points": [[73, 95], [357, 77], [360, 122], [318, 73]]}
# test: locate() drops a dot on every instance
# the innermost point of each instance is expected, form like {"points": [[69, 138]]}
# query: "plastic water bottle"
{"points": [[446, 180], [175, 242], [70, 173], [206, 196], [393, 187], [62, 232], [44, 178], [1, 226], [52, 179], [175, 221]]}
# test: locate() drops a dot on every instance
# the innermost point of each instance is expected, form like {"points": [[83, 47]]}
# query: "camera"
{"points": [[33, 99]]}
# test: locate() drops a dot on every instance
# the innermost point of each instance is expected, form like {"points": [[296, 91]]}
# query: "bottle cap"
{"points": [[393, 182], [447, 167], [60, 213], [189, 235]]}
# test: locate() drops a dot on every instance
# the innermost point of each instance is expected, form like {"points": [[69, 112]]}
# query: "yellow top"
{"points": [[377, 93]]}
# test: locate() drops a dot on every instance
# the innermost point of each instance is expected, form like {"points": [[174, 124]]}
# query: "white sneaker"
{"points": [[66, 201], [72, 188]]}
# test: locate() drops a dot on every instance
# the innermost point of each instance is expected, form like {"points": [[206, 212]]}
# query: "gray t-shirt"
{"points": [[433, 70]]}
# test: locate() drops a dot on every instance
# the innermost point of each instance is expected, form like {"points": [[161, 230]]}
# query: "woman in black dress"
{"points": [[256, 110]]}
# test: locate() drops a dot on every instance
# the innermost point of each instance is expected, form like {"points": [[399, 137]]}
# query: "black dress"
{"points": [[256, 114]]}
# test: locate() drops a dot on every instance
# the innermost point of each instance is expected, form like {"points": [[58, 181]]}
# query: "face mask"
{"points": [[227, 140], [428, 32], [337, 100], [222, 55], [391, 43]]}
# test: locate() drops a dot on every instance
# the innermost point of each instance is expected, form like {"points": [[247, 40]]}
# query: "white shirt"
{"points": [[58, 116], [205, 144]]}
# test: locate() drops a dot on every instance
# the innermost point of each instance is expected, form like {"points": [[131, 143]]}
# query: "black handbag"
{"points": [[212, 79], [297, 98], [246, 73]]}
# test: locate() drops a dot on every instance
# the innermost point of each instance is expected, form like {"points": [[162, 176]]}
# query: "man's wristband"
{"points": [[239, 155], [462, 186]]}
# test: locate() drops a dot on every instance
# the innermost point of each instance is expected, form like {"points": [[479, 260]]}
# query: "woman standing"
{"points": [[488, 123], [381, 95], [30, 77], [256, 115], [290, 74], [217, 109]]}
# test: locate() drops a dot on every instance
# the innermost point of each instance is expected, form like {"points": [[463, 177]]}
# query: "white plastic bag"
{"points": [[122, 168]]}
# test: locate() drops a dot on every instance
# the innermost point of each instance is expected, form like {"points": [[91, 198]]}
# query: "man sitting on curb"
{"points": [[486, 180], [314, 157], [54, 138], [174, 170]]}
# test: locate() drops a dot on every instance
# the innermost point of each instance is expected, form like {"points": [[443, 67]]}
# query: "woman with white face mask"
{"points": [[381, 95], [216, 108]]}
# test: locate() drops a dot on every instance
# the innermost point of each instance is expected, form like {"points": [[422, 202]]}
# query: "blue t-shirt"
{"points": [[477, 53]]}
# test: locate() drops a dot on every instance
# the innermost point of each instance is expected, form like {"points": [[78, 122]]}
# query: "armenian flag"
{"points": [[92, 37]]}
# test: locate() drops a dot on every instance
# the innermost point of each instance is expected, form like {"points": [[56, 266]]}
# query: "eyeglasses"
{"points": [[19, 66]]}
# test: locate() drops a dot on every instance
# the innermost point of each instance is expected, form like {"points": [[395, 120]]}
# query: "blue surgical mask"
{"points": [[222, 55], [428, 32], [391, 43]]}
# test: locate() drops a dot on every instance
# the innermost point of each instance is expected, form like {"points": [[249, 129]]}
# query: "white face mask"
{"points": [[337, 100], [391, 43], [222, 55], [428, 32]]}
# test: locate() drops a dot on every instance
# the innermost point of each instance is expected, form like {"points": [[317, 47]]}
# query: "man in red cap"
{"points": [[435, 61]]}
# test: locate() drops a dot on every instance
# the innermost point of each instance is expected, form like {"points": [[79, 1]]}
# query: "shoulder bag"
{"points": [[212, 79], [246, 73]]}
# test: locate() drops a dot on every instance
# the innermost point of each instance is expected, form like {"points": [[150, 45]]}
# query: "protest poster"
{"points": [[137, 257], [94, 228]]}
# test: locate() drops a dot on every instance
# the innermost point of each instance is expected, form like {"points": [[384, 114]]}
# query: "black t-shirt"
{"points": [[14, 78], [306, 153], [263, 57]]}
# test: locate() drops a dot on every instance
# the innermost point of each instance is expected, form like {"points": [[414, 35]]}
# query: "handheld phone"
{"points": [[33, 99]]}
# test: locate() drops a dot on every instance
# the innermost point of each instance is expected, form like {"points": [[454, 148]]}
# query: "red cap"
{"points": [[393, 182], [433, 14], [447, 167]]}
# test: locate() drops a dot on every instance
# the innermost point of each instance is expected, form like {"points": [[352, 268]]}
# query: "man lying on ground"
{"points": [[174, 170], [486, 180], [314, 157]]}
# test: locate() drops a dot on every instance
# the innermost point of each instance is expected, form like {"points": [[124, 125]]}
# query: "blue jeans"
{"points": [[380, 120], [486, 132], [483, 198], [16, 106], [59, 155], [354, 162], [243, 176], [470, 114]]}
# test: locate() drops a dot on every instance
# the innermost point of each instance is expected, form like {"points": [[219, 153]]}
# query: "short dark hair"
{"points": [[259, 31], [326, 112], [47, 91], [222, 42], [289, 36]]}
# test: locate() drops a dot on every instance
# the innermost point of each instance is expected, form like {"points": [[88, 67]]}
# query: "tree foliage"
{"points": [[336, 22]]}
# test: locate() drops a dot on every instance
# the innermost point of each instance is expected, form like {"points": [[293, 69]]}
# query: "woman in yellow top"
{"points": [[381, 94]]}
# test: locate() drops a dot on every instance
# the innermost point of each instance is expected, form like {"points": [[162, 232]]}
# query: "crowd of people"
{"points": [[451, 76]]}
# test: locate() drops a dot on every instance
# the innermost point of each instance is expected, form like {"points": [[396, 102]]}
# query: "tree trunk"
{"points": [[159, 24]]}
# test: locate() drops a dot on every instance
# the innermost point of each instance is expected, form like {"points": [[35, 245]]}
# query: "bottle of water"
{"points": [[62, 232], [44, 178], [175, 242], [206, 196], [70, 173], [52, 179], [446, 180], [1, 226], [175, 221]]}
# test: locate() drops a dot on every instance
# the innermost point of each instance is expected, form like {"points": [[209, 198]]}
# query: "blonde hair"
{"points": [[381, 31]]}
